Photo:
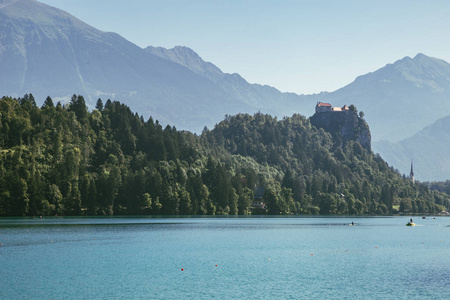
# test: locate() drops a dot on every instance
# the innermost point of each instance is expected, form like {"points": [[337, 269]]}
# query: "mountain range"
{"points": [[427, 149], [399, 99], [48, 52]]}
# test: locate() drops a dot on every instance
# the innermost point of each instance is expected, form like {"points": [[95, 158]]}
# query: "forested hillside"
{"points": [[65, 160]]}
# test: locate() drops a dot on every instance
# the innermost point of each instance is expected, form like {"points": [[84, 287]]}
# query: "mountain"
{"points": [[48, 52], [428, 149], [261, 97], [399, 99]]}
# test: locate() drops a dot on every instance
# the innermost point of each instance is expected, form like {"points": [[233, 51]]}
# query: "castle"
{"points": [[326, 107], [343, 123]]}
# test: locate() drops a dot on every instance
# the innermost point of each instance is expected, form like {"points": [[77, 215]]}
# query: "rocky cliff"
{"points": [[344, 126]]}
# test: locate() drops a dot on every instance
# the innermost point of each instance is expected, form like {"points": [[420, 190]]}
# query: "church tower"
{"points": [[411, 174]]}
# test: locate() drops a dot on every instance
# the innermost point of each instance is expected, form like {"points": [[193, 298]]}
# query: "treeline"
{"points": [[441, 186], [67, 160]]}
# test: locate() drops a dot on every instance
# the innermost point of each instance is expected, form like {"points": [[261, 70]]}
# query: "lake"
{"points": [[225, 258]]}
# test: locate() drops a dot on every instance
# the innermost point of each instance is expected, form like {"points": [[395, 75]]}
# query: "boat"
{"points": [[410, 223]]}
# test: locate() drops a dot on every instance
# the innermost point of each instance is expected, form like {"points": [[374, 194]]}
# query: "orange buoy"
{"points": [[182, 269], [216, 265]]}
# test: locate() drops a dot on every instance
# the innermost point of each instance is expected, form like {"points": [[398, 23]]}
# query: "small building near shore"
{"points": [[258, 201]]}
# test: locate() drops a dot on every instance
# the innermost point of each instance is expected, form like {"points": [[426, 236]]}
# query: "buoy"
{"points": [[216, 265], [182, 269], [312, 254], [376, 247]]}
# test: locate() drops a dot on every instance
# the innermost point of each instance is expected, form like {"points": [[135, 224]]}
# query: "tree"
{"points": [[185, 201], [19, 197], [55, 197], [67, 160], [48, 103], [99, 105], [245, 201], [272, 201], [78, 105]]}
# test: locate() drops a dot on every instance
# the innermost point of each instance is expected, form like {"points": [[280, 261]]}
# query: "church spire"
{"points": [[411, 174]]}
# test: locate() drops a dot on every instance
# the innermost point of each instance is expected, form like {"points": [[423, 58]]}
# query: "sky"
{"points": [[300, 46]]}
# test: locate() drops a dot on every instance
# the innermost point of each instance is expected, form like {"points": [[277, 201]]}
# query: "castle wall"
{"points": [[321, 109]]}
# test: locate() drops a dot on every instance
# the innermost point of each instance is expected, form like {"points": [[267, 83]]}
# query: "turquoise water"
{"points": [[256, 258]]}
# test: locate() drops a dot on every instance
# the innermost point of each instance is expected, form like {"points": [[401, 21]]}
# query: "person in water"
{"points": [[410, 220]]}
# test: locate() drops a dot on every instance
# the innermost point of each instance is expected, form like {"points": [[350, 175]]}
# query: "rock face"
{"points": [[344, 125]]}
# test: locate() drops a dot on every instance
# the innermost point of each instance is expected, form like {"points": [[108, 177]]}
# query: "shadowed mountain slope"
{"points": [[429, 149]]}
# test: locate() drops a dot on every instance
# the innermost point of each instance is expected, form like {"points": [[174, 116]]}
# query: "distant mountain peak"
{"points": [[186, 57], [38, 13], [423, 71], [400, 98], [423, 59], [420, 56]]}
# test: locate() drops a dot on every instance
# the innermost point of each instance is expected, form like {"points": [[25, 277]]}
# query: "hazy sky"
{"points": [[296, 46]]}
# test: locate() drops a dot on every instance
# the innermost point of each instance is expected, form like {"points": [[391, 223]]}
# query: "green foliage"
{"points": [[65, 160]]}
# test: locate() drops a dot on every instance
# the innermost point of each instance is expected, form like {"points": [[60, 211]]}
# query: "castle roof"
{"points": [[321, 104]]}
